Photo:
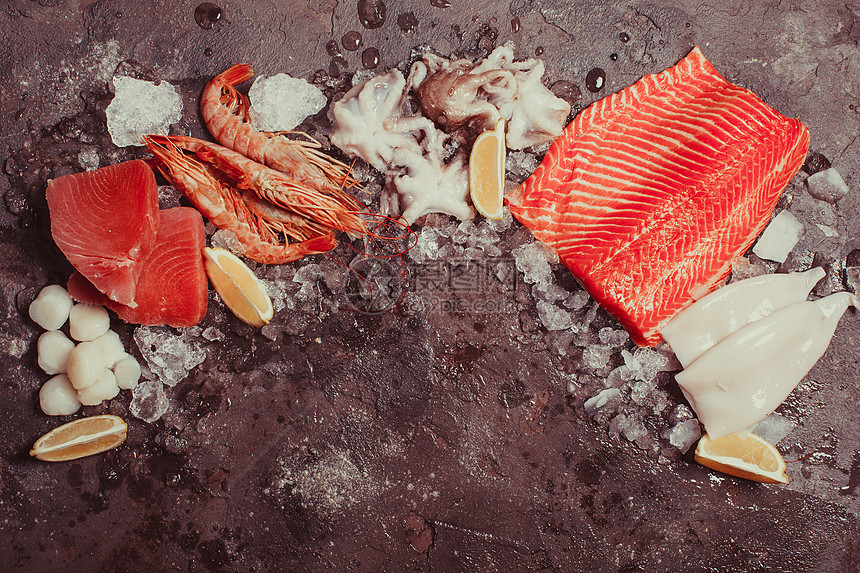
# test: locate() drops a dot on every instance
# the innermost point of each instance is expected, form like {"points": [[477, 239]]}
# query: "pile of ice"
{"points": [[281, 102], [139, 108], [633, 404], [169, 357], [466, 240], [621, 383]]}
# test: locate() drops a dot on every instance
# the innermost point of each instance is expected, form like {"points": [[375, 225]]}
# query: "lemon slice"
{"points": [[487, 171], [744, 455], [83, 437], [238, 286]]}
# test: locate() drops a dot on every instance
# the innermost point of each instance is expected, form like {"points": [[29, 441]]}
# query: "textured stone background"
{"points": [[406, 441]]}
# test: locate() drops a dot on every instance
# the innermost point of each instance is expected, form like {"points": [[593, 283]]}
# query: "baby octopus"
{"points": [[423, 156]]}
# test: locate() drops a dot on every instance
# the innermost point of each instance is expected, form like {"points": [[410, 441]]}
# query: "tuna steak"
{"points": [[650, 193], [172, 288], [105, 222]]}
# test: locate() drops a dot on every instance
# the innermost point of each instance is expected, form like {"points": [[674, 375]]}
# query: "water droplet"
{"points": [[351, 40], [595, 79], [370, 58], [625, 37], [613, 56], [440, 3], [539, 51], [208, 52], [515, 25], [332, 48], [207, 15], [118, 14], [371, 13], [407, 22]]}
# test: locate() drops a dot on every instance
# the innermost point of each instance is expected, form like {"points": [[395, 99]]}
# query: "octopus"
{"points": [[417, 130], [465, 99]]}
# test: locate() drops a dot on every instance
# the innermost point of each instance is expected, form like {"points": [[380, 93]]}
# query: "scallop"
{"points": [[88, 321], [104, 388], [127, 372], [86, 365], [53, 350], [58, 397], [50, 309]]}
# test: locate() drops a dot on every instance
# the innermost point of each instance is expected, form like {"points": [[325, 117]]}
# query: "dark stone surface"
{"points": [[409, 441]]}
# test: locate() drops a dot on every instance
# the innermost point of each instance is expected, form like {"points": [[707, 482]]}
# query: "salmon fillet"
{"points": [[650, 193]]}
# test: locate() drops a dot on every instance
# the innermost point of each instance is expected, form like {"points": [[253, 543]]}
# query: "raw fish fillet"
{"points": [[650, 193], [105, 223], [173, 288]]}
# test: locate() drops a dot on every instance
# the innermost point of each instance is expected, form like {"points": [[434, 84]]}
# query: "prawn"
{"points": [[340, 212], [213, 194], [225, 112]]}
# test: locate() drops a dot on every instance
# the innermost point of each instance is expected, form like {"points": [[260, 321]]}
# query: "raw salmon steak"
{"points": [[651, 192], [173, 288], [105, 222]]}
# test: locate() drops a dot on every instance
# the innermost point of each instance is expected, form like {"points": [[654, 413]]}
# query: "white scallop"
{"points": [[127, 372], [104, 388], [52, 351], [86, 365], [111, 347], [58, 397], [88, 321], [50, 309]]}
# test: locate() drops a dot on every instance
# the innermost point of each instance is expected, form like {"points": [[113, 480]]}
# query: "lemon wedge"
{"points": [[487, 172], [744, 455], [238, 286], [80, 438]]}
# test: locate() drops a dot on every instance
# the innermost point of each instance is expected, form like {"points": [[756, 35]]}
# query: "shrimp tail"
{"points": [[234, 75]]}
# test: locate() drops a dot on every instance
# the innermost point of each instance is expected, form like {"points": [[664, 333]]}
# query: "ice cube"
{"points": [[613, 338], [553, 317], [149, 401], [212, 334], [596, 356], [595, 403], [683, 434], [168, 356], [827, 185], [779, 238], [139, 108], [281, 102], [89, 158], [223, 239], [533, 259]]}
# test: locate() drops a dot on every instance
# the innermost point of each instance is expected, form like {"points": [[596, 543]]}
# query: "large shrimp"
{"points": [[225, 112], [228, 207], [334, 211]]}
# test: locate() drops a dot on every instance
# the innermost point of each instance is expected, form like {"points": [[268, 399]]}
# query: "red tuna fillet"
{"points": [[105, 223], [173, 288], [650, 193]]}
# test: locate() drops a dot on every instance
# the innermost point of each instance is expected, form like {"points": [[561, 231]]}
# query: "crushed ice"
{"points": [[281, 102], [139, 108], [169, 357]]}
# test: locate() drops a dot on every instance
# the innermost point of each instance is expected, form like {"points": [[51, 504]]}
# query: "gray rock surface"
{"points": [[451, 433]]}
